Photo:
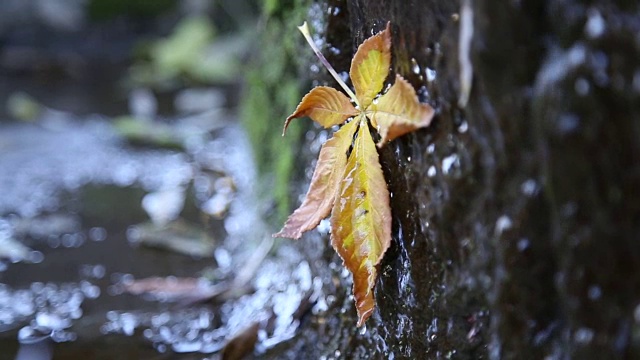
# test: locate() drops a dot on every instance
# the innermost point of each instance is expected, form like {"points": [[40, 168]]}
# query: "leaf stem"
{"points": [[304, 29]]}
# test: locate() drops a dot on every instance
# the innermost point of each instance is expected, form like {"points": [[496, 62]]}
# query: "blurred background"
{"points": [[139, 179]]}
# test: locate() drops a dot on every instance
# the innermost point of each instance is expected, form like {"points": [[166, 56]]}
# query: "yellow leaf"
{"points": [[353, 188], [361, 219], [370, 66], [324, 184], [399, 112], [325, 105]]}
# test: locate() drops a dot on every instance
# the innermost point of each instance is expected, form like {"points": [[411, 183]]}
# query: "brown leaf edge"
{"points": [[324, 184]]}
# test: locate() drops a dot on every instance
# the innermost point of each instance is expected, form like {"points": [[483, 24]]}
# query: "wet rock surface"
{"points": [[515, 214]]}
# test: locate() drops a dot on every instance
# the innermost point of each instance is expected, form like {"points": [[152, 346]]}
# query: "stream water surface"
{"points": [[115, 251]]}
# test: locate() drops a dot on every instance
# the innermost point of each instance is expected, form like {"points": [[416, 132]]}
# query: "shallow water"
{"points": [[73, 194]]}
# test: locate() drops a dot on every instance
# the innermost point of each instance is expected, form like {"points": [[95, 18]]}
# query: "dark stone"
{"points": [[516, 219]]}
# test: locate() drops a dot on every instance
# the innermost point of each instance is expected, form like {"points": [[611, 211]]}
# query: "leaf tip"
{"points": [[286, 233], [388, 27], [365, 303], [363, 317]]}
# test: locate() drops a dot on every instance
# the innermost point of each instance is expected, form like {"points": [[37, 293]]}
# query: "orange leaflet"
{"points": [[353, 190], [325, 105], [324, 185], [399, 112]]}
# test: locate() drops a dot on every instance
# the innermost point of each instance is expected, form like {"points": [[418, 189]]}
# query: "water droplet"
{"points": [[133, 234], [98, 271], [36, 287], [223, 258], [166, 334], [160, 319], [91, 291], [414, 66], [32, 335], [363, 330], [53, 241], [76, 314], [448, 162], [128, 322], [583, 335], [52, 321], [636, 81], [204, 320], [431, 74], [324, 227], [112, 315], [594, 292], [503, 223], [568, 123], [523, 244], [529, 187], [97, 234], [36, 257], [636, 313], [582, 86], [595, 25], [127, 279], [67, 240], [165, 205]]}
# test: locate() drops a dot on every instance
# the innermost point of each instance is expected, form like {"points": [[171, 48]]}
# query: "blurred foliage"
{"points": [[272, 93], [181, 50], [107, 9], [147, 133], [270, 6], [21, 106], [191, 53]]}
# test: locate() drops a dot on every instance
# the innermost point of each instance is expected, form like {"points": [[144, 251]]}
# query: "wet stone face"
{"points": [[505, 208]]}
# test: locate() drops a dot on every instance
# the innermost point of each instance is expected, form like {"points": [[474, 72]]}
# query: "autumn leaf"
{"points": [[398, 111], [353, 188], [325, 105], [324, 185], [361, 219], [370, 66]]}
